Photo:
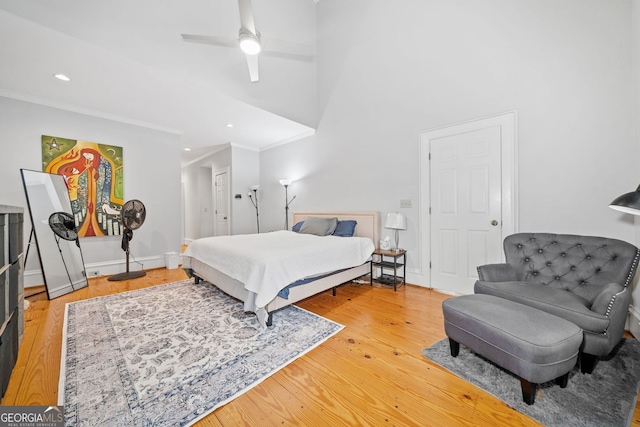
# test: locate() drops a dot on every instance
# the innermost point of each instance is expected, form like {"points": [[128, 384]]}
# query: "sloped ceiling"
{"points": [[126, 60]]}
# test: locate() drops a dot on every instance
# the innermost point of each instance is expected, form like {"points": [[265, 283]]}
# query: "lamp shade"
{"points": [[628, 203], [396, 221], [286, 182], [254, 187]]}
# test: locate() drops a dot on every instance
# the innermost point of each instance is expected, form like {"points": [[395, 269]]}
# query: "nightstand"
{"points": [[390, 261]]}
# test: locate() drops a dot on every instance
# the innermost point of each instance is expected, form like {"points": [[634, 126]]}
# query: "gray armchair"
{"points": [[582, 279]]}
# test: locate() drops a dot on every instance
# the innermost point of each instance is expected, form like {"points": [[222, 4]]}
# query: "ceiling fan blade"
{"points": [[252, 63], [215, 40], [246, 16], [288, 48]]}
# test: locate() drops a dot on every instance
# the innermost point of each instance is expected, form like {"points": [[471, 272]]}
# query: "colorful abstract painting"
{"points": [[94, 176]]}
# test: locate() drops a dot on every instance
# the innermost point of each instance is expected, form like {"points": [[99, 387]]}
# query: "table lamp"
{"points": [[396, 221]]}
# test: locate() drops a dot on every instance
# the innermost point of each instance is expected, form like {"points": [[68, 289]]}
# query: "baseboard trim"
{"points": [[99, 269], [633, 321]]}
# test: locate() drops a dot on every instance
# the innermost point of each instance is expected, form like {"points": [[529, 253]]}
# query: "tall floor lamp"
{"points": [[286, 183], [628, 203], [254, 200]]}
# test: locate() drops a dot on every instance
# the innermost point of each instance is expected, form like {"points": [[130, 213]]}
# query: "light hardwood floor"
{"points": [[372, 373]]}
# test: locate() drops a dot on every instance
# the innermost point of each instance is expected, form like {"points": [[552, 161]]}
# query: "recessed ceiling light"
{"points": [[187, 149], [62, 77], [229, 125]]}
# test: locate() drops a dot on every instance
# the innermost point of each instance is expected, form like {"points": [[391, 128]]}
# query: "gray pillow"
{"points": [[319, 226]]}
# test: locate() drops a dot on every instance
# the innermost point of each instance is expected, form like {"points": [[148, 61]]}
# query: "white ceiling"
{"points": [[127, 61]]}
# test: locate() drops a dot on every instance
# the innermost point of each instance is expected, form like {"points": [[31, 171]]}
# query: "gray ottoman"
{"points": [[534, 345]]}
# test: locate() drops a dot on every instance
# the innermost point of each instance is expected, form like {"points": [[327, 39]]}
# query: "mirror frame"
{"points": [[48, 263]]}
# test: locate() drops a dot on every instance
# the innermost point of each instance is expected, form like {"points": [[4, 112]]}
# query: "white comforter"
{"points": [[268, 262]]}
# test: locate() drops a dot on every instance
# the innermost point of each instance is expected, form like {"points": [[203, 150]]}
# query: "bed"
{"points": [[215, 260]]}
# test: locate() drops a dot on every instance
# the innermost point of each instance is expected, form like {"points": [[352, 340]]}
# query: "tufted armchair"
{"points": [[579, 278]]}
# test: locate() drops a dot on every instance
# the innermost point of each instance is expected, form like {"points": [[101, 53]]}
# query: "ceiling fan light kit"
{"points": [[249, 43]]}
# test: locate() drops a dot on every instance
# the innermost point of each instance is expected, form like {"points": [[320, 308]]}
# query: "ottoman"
{"points": [[534, 345]]}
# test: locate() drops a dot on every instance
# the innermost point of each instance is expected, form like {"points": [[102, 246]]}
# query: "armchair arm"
{"points": [[616, 307], [499, 273], [605, 301]]}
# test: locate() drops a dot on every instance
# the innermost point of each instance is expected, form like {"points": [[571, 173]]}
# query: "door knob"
{"points": [[494, 222]]}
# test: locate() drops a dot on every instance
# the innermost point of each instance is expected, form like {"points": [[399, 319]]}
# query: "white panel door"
{"points": [[221, 190], [465, 220]]}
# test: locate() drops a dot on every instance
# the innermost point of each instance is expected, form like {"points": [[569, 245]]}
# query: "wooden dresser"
{"points": [[11, 289]]}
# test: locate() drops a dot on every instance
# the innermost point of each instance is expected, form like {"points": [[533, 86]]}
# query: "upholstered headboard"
{"points": [[368, 221]]}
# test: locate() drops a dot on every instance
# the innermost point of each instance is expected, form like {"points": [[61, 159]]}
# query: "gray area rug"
{"points": [[169, 355], [605, 398]]}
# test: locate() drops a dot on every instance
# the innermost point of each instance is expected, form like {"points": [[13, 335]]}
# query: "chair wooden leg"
{"points": [[455, 347], [587, 363], [563, 380], [528, 391]]}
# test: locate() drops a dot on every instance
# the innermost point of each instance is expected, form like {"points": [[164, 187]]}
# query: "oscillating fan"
{"points": [[132, 215], [64, 227]]}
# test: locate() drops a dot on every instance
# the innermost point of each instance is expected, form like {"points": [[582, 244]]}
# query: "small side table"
{"points": [[390, 260]]}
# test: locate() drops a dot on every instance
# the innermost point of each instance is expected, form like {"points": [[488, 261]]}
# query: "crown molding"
{"points": [[85, 111], [215, 150], [294, 138], [245, 147]]}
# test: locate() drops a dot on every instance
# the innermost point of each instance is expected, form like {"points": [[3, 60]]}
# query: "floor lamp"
{"points": [[286, 183], [628, 203], [254, 200]]}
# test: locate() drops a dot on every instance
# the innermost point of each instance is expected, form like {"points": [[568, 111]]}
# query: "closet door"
{"points": [[221, 191], [468, 185], [465, 207]]}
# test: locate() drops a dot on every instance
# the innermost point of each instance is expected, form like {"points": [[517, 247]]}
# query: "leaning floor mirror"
{"points": [[54, 230]]}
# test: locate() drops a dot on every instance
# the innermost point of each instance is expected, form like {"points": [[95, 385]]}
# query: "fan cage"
{"points": [[133, 214], [63, 225]]}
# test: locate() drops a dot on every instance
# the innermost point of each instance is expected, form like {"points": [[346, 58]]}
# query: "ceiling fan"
{"points": [[252, 43]]}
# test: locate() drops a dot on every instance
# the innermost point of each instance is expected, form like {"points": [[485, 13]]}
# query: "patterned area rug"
{"points": [[171, 354], [605, 398]]}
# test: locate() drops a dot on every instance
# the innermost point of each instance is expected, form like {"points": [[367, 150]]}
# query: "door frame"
{"points": [[509, 173], [215, 200]]}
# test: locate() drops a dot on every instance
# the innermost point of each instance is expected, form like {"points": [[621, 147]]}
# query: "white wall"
{"points": [[205, 200], [151, 174], [245, 172], [389, 70]]}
